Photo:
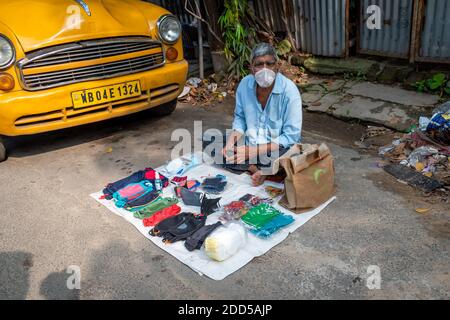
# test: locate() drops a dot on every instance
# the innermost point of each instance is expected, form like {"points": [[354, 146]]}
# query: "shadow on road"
{"points": [[24, 146], [14, 274], [54, 287]]}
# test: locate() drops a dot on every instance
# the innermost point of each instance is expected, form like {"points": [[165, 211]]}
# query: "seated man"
{"points": [[267, 117]]}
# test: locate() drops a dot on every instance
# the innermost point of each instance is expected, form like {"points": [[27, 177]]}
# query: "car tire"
{"points": [[3, 154], [165, 109]]}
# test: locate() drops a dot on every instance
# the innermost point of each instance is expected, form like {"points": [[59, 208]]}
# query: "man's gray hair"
{"points": [[263, 49]]}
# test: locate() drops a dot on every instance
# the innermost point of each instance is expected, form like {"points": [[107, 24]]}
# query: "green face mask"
{"points": [[258, 216]]}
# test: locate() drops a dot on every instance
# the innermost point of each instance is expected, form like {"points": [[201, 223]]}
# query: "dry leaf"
{"points": [[422, 210]]}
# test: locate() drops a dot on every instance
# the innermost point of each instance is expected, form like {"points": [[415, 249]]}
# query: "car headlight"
{"points": [[169, 29], [7, 53]]}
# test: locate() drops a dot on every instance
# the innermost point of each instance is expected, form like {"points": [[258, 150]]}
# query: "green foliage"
{"points": [[437, 84], [236, 36], [356, 76]]}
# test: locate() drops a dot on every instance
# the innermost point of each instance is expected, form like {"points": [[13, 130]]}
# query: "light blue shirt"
{"points": [[281, 120]]}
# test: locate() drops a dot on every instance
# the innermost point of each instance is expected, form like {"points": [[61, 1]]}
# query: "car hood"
{"points": [[42, 23]]}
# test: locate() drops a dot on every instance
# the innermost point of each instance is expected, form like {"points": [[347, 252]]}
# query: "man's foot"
{"points": [[258, 178]]}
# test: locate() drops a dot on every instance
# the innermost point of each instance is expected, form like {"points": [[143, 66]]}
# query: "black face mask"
{"points": [[191, 198], [195, 241], [179, 227], [209, 205], [213, 185], [142, 201]]}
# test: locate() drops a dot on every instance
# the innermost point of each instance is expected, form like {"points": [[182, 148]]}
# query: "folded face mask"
{"points": [[187, 184], [214, 185], [208, 206], [150, 175], [192, 185], [273, 226], [131, 192], [161, 215], [179, 181], [179, 227], [196, 240], [111, 188], [261, 214], [191, 198], [138, 176], [154, 207], [141, 202]]}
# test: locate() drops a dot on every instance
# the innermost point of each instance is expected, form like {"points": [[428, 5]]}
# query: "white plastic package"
{"points": [[180, 166], [225, 241]]}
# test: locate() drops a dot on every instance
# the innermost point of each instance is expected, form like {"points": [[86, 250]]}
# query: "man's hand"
{"points": [[229, 148], [242, 153]]}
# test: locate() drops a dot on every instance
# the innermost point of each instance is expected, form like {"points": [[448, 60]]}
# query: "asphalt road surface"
{"points": [[48, 223]]}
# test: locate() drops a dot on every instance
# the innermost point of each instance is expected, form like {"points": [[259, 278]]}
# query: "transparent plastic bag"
{"points": [[237, 209], [225, 241]]}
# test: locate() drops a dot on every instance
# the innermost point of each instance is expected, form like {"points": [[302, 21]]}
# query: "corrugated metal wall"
{"points": [[394, 37], [270, 12], [435, 37], [322, 27], [318, 26]]}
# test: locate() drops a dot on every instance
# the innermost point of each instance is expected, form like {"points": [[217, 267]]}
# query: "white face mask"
{"points": [[265, 77]]}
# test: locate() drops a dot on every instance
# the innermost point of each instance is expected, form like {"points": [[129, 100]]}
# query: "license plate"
{"points": [[92, 97]]}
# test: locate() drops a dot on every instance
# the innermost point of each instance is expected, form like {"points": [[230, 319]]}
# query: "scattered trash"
{"points": [[194, 82], [444, 108], [438, 127], [420, 155], [208, 91], [186, 90], [425, 151], [423, 123], [109, 150], [412, 177], [212, 87], [373, 131]]}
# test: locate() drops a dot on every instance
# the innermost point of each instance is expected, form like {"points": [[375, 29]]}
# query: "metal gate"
{"points": [[323, 26], [433, 19], [319, 26], [393, 37]]}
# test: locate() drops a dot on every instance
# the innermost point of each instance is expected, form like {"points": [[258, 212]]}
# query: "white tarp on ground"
{"points": [[238, 185]]}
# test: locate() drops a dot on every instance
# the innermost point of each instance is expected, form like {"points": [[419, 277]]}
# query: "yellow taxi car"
{"points": [[65, 63]]}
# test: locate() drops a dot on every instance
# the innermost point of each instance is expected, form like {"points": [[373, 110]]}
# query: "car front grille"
{"points": [[150, 56], [65, 115]]}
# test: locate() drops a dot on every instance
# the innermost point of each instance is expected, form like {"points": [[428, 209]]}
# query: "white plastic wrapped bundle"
{"points": [[225, 241]]}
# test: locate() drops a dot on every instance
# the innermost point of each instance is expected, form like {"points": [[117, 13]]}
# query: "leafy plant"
{"points": [[357, 76], [236, 36], [438, 83]]}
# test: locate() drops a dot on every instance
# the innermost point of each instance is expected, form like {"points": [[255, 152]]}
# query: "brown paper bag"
{"points": [[309, 176]]}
